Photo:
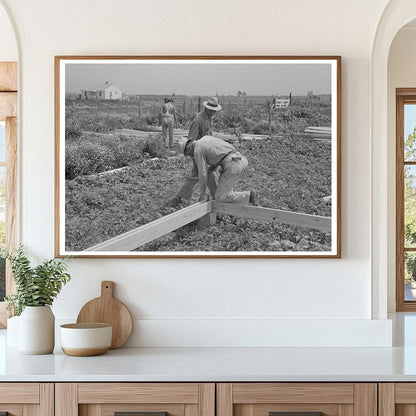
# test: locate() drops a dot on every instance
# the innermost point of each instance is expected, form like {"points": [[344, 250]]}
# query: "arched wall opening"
{"points": [[396, 15], [401, 74]]}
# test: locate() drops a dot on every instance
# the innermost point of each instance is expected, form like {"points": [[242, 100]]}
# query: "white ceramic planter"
{"points": [[37, 330]]}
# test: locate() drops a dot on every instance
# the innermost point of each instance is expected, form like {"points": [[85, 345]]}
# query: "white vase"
{"points": [[37, 330]]}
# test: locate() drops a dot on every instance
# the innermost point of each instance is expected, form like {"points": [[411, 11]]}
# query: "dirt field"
{"points": [[116, 184]]}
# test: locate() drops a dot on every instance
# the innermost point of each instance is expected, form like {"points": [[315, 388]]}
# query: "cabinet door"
{"points": [[297, 399], [397, 399], [26, 399], [142, 399]]}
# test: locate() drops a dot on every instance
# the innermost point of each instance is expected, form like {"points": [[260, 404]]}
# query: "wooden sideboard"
{"points": [[208, 399]]}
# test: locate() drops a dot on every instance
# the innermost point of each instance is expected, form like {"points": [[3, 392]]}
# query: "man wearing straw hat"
{"points": [[201, 126], [210, 152]]}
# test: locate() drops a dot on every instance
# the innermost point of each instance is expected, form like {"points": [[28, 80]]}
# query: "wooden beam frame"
{"points": [[274, 215], [158, 228], [155, 229]]}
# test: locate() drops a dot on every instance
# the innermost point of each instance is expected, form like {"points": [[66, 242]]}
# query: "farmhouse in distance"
{"points": [[105, 91]]}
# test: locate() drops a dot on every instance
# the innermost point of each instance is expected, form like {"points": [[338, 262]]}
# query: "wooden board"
{"points": [[109, 310], [178, 133], [261, 393], [146, 393], [146, 134], [155, 229], [276, 216]]}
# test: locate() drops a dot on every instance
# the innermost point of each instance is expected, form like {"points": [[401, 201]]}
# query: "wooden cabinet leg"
{"points": [[66, 399], [386, 399], [365, 403]]}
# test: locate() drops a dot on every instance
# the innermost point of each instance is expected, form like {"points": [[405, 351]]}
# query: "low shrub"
{"points": [[98, 153], [73, 132], [127, 152], [155, 145], [152, 119], [86, 158]]}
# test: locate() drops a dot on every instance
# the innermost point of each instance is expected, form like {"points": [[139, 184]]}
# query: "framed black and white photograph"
{"points": [[198, 156]]}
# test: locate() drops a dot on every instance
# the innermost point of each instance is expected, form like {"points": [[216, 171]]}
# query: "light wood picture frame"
{"points": [[121, 124], [9, 126]]}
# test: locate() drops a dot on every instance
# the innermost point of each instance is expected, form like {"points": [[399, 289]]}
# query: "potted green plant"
{"points": [[36, 289]]}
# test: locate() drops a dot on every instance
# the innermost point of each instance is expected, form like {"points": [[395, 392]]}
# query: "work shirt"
{"points": [[209, 151], [168, 110], [201, 126]]}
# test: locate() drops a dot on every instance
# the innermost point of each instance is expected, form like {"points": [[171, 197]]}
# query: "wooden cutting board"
{"points": [[108, 310]]}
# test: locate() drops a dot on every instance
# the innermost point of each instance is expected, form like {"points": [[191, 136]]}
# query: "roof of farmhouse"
{"points": [[99, 87]]}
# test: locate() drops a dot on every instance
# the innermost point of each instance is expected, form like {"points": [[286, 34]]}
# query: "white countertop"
{"points": [[221, 364], [215, 364]]}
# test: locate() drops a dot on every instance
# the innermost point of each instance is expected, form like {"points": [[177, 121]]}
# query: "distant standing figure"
{"points": [[200, 126], [210, 152], [168, 115]]}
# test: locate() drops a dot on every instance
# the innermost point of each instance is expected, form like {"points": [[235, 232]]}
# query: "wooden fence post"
{"points": [[269, 111], [207, 220]]}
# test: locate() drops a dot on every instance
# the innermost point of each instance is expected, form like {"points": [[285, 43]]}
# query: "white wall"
{"points": [[203, 302], [401, 74], [8, 46]]}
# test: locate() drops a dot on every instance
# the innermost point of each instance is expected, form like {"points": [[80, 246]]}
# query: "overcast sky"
{"points": [[202, 79]]}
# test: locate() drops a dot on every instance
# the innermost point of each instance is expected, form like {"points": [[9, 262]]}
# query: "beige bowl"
{"points": [[83, 340]]}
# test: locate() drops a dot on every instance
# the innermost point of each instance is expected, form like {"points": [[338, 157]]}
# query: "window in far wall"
{"points": [[406, 199]]}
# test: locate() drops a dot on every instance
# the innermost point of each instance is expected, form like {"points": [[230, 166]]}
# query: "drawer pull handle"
{"points": [[295, 413], [140, 414]]}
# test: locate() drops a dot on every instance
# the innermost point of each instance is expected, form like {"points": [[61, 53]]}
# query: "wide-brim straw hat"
{"points": [[212, 104], [182, 142]]}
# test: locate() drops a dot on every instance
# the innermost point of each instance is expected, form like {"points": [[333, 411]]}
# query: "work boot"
{"points": [[174, 202], [254, 198]]}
